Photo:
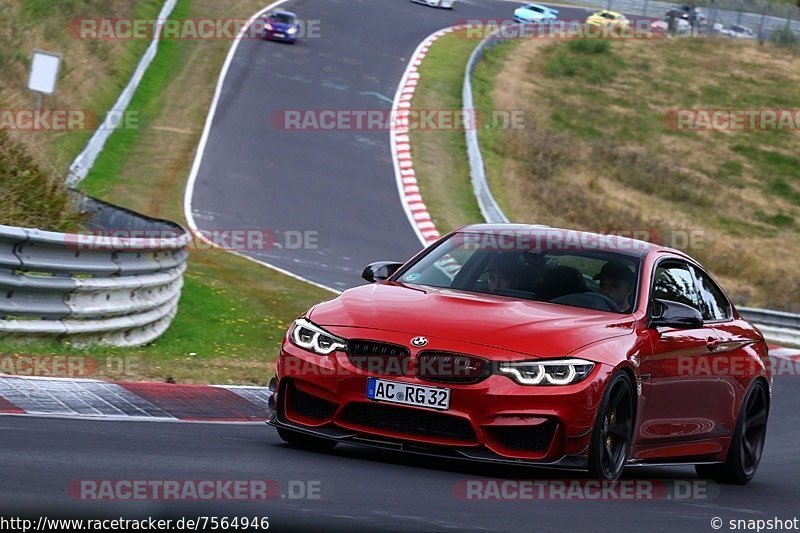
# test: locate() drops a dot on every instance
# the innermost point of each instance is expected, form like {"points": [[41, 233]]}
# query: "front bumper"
{"points": [[279, 36], [494, 420]]}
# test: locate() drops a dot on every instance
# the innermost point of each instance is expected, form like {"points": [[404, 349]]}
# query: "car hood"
{"points": [[533, 328]]}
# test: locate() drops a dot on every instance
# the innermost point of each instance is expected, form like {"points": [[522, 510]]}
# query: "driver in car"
{"points": [[503, 271], [617, 281]]}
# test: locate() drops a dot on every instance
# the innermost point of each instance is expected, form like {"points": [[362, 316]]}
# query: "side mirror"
{"points": [[380, 270], [675, 315]]}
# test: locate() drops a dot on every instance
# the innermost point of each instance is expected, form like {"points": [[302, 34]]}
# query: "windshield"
{"points": [[535, 8], [595, 275], [282, 18]]}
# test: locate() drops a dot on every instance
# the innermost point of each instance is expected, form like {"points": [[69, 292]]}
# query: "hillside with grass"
{"points": [[602, 152], [91, 77]]}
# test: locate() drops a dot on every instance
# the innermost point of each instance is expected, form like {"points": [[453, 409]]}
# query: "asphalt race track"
{"points": [[359, 488], [338, 184]]}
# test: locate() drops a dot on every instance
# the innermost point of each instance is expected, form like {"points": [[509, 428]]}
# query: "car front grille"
{"points": [[308, 405], [411, 422], [524, 438], [379, 357], [452, 367]]}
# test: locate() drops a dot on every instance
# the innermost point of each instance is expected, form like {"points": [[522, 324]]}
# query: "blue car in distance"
{"points": [[530, 13], [281, 26]]}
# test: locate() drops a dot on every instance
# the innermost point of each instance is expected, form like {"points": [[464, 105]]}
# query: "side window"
{"points": [[715, 306], [674, 283]]}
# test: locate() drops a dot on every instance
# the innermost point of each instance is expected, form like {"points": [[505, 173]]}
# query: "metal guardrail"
{"points": [[776, 326], [489, 207], [92, 289]]}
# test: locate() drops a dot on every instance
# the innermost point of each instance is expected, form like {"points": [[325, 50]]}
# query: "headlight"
{"points": [[311, 337], [268, 26], [291, 31], [553, 372]]}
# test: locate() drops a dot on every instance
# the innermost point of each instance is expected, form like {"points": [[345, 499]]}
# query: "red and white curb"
{"points": [[89, 398], [414, 205], [400, 142]]}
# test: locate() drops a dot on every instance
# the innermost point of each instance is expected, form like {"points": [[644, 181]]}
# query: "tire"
{"points": [[613, 430], [747, 444], [306, 442]]}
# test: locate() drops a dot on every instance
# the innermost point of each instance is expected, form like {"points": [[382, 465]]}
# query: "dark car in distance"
{"points": [[281, 26]]}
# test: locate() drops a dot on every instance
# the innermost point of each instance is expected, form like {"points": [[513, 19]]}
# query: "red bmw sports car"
{"points": [[532, 345]]}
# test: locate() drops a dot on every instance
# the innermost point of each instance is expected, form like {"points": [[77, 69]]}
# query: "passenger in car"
{"points": [[617, 281]]}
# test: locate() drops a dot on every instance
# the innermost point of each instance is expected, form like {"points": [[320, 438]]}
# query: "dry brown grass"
{"points": [[92, 71], [598, 155]]}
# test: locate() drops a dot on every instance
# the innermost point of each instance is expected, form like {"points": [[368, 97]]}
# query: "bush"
{"points": [[784, 37], [29, 197], [589, 46], [589, 58]]}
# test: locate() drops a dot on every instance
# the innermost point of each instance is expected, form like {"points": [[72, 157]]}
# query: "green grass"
{"points": [[146, 105], [233, 312], [120, 66]]}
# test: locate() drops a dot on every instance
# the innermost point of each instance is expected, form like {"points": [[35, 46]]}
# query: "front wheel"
{"points": [[613, 429], [306, 442], [747, 445]]}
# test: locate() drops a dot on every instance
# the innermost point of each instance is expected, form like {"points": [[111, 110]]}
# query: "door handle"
{"points": [[713, 344]]}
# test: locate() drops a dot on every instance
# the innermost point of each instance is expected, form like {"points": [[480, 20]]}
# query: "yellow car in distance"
{"points": [[608, 19]]}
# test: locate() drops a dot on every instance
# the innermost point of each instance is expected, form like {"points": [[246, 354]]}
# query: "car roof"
{"points": [[624, 245], [281, 12], [534, 4]]}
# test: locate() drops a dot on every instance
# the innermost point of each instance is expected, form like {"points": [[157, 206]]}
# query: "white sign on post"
{"points": [[44, 72]]}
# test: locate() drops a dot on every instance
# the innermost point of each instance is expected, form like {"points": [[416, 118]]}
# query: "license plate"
{"points": [[391, 391], [280, 35]]}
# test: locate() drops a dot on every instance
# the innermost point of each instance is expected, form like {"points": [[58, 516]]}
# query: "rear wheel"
{"points": [[613, 428], [307, 442], [747, 445]]}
